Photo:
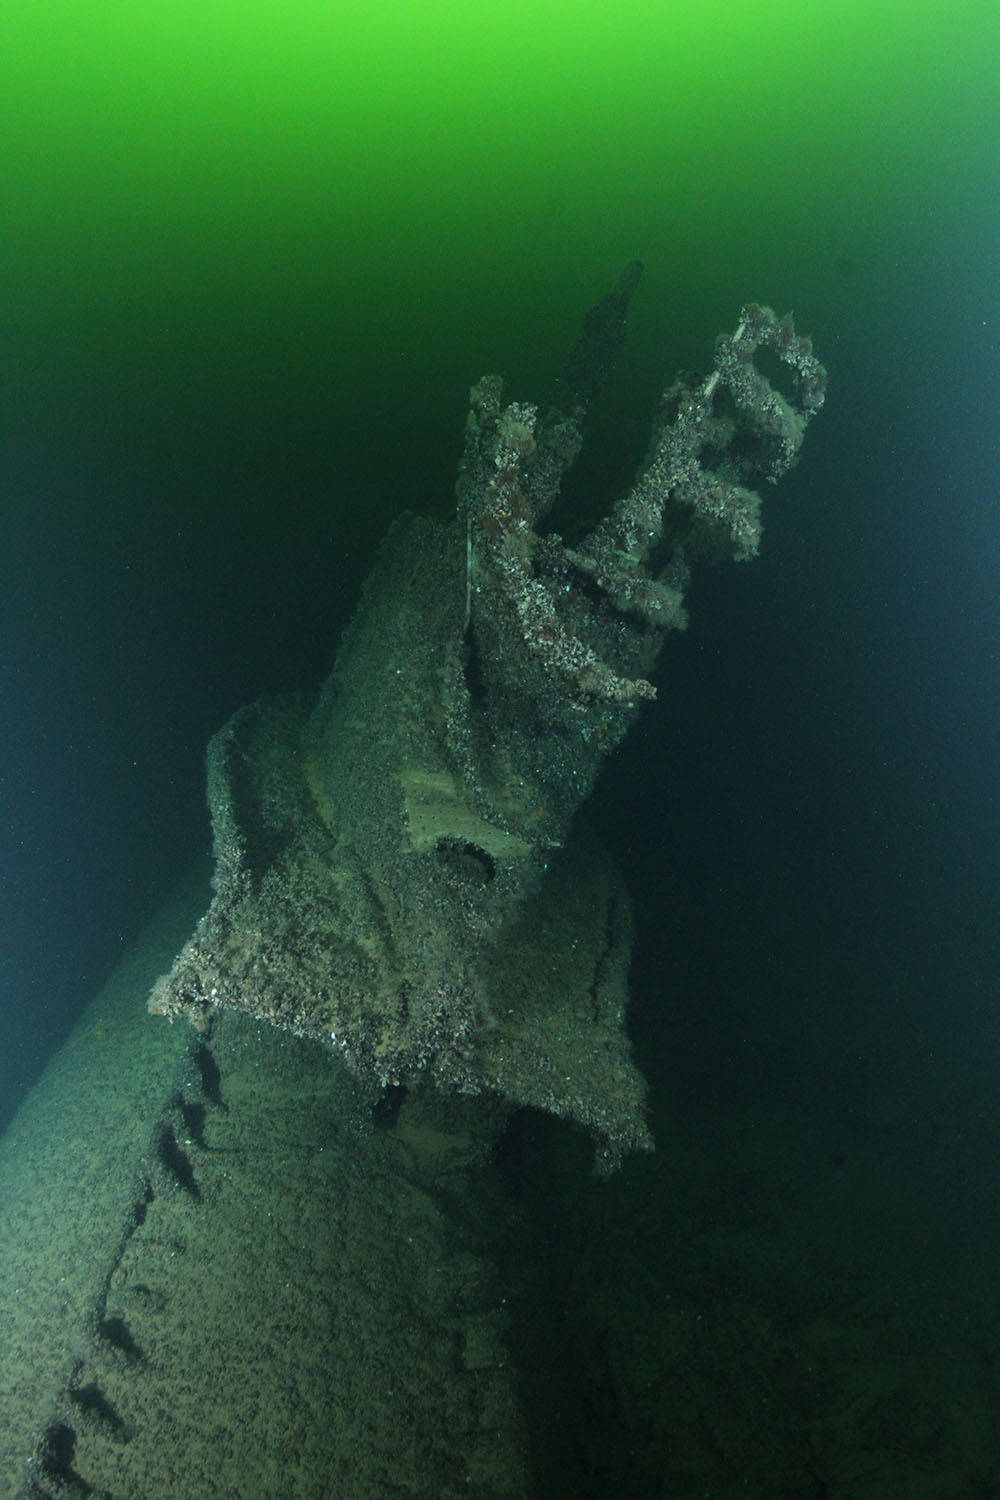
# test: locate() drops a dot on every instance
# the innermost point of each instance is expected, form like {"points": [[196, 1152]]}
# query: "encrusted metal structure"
{"points": [[402, 869]]}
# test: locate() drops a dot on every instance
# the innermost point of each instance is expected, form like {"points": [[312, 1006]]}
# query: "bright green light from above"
{"points": [[192, 143]]}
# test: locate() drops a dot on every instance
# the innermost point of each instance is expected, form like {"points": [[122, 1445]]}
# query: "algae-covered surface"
{"points": [[223, 1274], [68, 1166], [218, 1279]]}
